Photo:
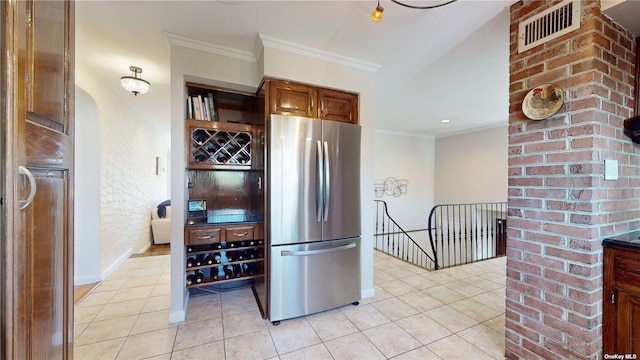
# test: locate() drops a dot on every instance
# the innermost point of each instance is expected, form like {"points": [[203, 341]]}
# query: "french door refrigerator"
{"points": [[313, 222]]}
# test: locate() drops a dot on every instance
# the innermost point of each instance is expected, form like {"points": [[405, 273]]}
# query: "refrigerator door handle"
{"points": [[319, 182], [327, 182], [316, 252]]}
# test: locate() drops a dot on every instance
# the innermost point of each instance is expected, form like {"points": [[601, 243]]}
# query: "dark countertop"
{"points": [[224, 217], [630, 240]]}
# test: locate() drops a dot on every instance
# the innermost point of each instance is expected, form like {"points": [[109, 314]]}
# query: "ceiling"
{"points": [[446, 63]]}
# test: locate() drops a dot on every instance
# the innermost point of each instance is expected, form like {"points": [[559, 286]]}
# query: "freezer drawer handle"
{"points": [[316, 252]]}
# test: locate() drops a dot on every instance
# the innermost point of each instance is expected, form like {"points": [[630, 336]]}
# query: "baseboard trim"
{"points": [[368, 293], [84, 280], [116, 264]]}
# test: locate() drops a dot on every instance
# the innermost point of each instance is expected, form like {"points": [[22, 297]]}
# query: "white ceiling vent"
{"points": [[550, 24]]}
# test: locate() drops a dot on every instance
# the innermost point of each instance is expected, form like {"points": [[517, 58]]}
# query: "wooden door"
{"points": [[38, 84]]}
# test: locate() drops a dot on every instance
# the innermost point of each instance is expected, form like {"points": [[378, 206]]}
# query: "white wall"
{"points": [[128, 143], [86, 211], [407, 157], [472, 167]]}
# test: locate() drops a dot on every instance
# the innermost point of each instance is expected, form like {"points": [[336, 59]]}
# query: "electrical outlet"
{"points": [[610, 169]]}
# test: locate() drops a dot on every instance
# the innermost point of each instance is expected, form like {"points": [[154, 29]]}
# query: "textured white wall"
{"points": [[472, 167], [408, 157], [86, 211], [129, 142]]}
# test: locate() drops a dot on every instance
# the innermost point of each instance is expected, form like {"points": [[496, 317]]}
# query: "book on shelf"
{"points": [[205, 108], [197, 108], [212, 109], [189, 108]]}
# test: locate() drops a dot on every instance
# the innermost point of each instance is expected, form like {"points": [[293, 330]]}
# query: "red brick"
{"points": [[571, 280], [576, 256], [546, 170], [569, 328], [522, 310], [525, 267], [544, 284], [545, 193], [540, 350], [583, 321], [525, 203], [523, 288], [544, 238], [545, 146], [544, 261], [527, 246], [542, 329]]}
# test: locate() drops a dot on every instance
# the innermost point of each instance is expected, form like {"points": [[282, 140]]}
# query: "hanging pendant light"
{"points": [[377, 13], [134, 83]]}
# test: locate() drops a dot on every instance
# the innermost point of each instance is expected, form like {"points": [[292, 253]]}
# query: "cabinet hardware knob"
{"points": [[241, 234]]}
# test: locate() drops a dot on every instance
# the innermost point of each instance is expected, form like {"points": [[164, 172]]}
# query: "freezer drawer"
{"points": [[313, 277]]}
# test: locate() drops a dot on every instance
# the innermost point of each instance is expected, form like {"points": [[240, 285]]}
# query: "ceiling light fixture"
{"points": [[135, 84], [377, 13]]}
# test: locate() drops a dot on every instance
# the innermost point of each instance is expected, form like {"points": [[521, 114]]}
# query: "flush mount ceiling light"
{"points": [[134, 83], [377, 13]]}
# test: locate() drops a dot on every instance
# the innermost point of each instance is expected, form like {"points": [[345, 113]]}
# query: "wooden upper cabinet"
{"points": [[338, 106], [288, 98]]}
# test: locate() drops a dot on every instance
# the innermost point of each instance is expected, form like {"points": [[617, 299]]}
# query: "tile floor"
{"points": [[455, 313]]}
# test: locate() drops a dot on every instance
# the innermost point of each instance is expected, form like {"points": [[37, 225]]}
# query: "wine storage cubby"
{"points": [[224, 146], [221, 147], [222, 262]]}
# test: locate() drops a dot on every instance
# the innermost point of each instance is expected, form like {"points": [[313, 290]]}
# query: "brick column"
{"points": [[560, 206]]}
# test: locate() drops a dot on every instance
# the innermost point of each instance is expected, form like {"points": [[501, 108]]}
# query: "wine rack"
{"points": [[224, 262], [218, 147]]}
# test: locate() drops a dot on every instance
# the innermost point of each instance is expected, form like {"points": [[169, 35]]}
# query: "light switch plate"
{"points": [[611, 169]]}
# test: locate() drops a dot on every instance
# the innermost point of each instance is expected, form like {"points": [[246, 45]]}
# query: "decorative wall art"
{"points": [[543, 101], [390, 186]]}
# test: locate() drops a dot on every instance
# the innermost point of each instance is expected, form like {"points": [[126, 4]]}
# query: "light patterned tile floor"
{"points": [[455, 313]]}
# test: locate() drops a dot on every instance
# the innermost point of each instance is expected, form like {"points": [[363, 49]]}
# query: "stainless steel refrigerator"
{"points": [[313, 222]]}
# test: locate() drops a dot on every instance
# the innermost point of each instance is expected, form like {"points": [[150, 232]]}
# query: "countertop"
{"points": [[630, 240], [225, 217]]}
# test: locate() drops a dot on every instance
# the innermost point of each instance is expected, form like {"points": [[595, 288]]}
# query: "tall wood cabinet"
{"points": [[36, 251], [621, 326]]}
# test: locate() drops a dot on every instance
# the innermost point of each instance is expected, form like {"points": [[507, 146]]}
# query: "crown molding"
{"points": [[210, 48], [402, 133], [275, 43]]}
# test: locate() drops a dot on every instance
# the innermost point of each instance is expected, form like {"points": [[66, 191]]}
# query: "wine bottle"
{"points": [[237, 270], [216, 258], [228, 271], [223, 257], [239, 255], [191, 277], [199, 260], [200, 156], [200, 136], [191, 261], [199, 276], [221, 273], [252, 268], [208, 259], [213, 273], [251, 253]]}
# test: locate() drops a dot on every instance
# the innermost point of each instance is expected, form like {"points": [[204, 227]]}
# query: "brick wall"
{"points": [[560, 206]]}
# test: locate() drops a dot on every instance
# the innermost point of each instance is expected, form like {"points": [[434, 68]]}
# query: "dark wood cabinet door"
{"points": [[628, 339], [38, 81], [621, 320], [287, 98], [338, 106]]}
